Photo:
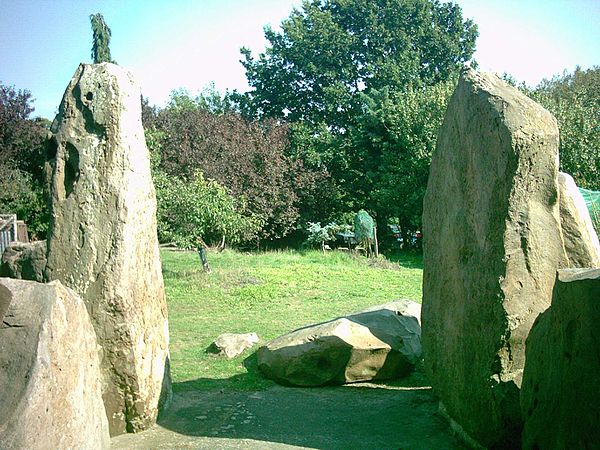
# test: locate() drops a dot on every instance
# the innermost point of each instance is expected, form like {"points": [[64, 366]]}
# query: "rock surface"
{"points": [[580, 238], [24, 261], [560, 396], [232, 344], [374, 345], [404, 307], [102, 240], [492, 244], [50, 395]]}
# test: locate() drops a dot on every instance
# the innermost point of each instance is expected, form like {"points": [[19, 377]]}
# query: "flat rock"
{"points": [[560, 396], [232, 344], [492, 245], [373, 345], [102, 241], [24, 261], [580, 238], [404, 307], [50, 378]]}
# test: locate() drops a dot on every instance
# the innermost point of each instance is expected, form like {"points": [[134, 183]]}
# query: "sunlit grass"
{"points": [[270, 294]]}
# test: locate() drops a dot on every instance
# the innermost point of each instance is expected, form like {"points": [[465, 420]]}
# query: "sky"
{"points": [[172, 44]]}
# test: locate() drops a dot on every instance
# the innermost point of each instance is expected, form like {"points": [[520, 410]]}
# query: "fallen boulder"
{"points": [[50, 378], [560, 395], [24, 261], [103, 243], [492, 245], [580, 238], [373, 345], [232, 344]]}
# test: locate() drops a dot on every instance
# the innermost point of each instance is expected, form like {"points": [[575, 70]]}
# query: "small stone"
{"points": [[232, 345]]}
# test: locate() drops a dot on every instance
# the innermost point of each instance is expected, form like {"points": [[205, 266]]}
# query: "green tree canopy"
{"points": [[329, 50], [101, 39], [574, 99]]}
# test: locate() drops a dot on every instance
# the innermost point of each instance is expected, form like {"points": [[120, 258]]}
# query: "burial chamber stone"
{"points": [[50, 379], [492, 245], [580, 238], [24, 261], [102, 240], [377, 344], [560, 395]]}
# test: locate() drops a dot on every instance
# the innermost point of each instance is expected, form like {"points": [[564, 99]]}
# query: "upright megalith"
{"points": [[50, 379], [560, 396], [492, 244], [580, 238], [102, 240]]}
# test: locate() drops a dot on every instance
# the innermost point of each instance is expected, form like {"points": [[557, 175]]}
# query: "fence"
{"points": [[8, 230]]}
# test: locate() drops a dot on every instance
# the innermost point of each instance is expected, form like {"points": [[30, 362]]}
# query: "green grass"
{"points": [[268, 293]]}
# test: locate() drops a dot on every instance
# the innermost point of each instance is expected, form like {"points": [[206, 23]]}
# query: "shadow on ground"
{"points": [[402, 415]]}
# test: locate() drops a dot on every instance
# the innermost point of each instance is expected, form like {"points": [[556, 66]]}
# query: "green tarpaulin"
{"points": [[592, 200]]}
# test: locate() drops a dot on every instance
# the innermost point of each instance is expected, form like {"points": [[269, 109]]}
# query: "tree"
{"points": [[247, 158], [574, 99], [330, 50], [101, 39], [22, 156]]}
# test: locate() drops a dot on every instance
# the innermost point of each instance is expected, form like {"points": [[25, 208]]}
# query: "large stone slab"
{"points": [[102, 240], [560, 395], [50, 379], [580, 238], [24, 261], [492, 244], [374, 345]]}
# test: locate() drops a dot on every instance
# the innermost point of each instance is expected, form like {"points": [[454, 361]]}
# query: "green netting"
{"points": [[592, 200], [364, 226]]}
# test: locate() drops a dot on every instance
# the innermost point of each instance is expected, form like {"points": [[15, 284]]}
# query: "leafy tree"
{"points": [[574, 99], [196, 210], [247, 158], [329, 50], [392, 144], [101, 39], [22, 156]]}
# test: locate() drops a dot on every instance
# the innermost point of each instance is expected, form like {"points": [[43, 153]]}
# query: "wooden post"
{"points": [[376, 243]]}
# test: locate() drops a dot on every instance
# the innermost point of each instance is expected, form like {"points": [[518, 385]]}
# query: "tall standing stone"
{"points": [[102, 241], [492, 244]]}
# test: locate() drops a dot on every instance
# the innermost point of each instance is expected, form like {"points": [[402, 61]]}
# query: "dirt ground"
{"points": [[358, 416]]}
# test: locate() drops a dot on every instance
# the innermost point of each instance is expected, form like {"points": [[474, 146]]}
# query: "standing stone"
{"points": [[103, 242], [492, 244], [560, 397], [50, 379], [580, 238]]}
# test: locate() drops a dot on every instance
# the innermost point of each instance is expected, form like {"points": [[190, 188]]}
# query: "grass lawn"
{"points": [[268, 293]]}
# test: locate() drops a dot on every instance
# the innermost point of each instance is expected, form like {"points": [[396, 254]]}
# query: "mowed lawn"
{"points": [[268, 293]]}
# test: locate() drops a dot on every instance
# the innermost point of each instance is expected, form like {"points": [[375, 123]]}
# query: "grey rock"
{"points": [[373, 345], [24, 261], [232, 344], [560, 395], [492, 245], [102, 240], [51, 391], [580, 238], [404, 307]]}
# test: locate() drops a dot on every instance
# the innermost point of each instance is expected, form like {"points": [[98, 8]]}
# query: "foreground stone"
{"points": [[580, 238], [373, 345], [50, 379], [560, 396], [24, 261], [232, 344], [102, 240], [492, 244]]}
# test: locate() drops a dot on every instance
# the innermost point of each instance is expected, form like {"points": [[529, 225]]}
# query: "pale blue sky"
{"points": [[171, 44]]}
